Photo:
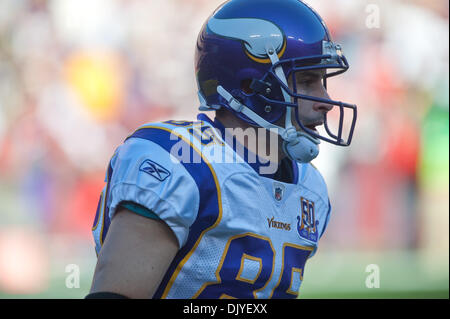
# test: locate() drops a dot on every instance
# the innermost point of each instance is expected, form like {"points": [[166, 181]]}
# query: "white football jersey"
{"points": [[241, 234]]}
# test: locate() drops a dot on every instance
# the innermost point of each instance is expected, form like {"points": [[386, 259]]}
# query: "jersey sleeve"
{"points": [[315, 182], [322, 228], [326, 220], [144, 173]]}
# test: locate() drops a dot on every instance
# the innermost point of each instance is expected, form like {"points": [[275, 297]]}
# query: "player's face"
{"points": [[311, 113]]}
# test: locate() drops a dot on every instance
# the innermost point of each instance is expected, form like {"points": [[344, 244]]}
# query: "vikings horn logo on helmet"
{"points": [[253, 33]]}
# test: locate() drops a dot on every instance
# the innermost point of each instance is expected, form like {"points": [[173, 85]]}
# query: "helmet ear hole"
{"points": [[245, 86]]}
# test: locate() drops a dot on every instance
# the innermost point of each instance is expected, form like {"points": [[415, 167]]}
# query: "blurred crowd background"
{"points": [[77, 76]]}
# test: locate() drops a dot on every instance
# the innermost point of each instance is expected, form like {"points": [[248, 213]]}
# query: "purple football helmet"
{"points": [[260, 44]]}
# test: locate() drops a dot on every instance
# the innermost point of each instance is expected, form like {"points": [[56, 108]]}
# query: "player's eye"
{"points": [[307, 81]]}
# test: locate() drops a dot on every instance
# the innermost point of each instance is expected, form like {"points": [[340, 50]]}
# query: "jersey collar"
{"points": [[257, 165]]}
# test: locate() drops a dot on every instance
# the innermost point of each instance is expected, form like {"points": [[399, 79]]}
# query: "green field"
{"points": [[327, 276]]}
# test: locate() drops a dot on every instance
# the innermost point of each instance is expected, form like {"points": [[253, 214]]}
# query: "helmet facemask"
{"points": [[334, 63]]}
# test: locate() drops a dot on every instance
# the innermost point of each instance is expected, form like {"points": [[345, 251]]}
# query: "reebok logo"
{"points": [[154, 169]]}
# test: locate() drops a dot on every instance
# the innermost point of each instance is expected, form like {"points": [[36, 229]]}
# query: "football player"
{"points": [[184, 214]]}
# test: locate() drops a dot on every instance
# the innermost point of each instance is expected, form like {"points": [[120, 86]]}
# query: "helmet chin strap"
{"points": [[297, 145]]}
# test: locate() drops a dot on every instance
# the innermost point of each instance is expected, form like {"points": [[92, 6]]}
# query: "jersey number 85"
{"points": [[257, 249]]}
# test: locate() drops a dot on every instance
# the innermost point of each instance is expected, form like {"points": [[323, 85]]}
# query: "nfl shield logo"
{"points": [[278, 191]]}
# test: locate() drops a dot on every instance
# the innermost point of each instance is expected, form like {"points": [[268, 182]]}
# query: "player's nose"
{"points": [[323, 107]]}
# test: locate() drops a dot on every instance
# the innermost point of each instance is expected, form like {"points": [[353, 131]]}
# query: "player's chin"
{"points": [[313, 126]]}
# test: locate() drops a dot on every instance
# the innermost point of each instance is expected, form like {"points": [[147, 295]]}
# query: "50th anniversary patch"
{"points": [[234, 309]]}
